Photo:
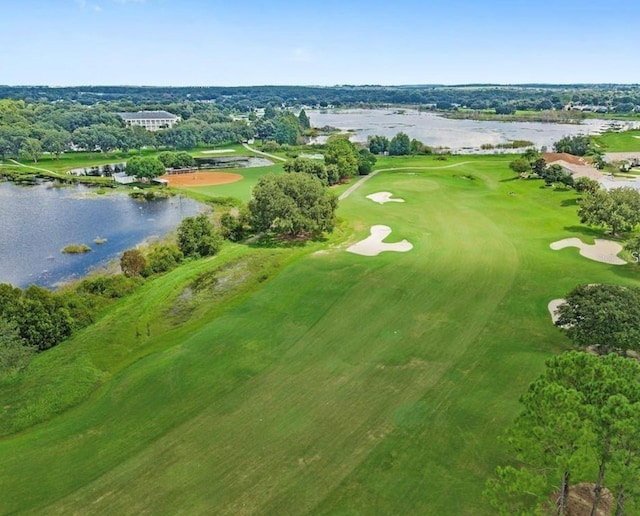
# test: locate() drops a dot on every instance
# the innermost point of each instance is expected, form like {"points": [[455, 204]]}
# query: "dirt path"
{"points": [[246, 146], [364, 179]]}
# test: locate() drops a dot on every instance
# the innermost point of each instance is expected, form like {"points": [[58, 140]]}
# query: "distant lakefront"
{"points": [[37, 222], [462, 136]]}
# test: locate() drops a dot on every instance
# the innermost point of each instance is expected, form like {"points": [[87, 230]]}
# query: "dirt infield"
{"points": [[203, 178]]}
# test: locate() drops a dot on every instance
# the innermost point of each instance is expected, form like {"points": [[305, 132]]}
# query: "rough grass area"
{"points": [[626, 141], [308, 380]]}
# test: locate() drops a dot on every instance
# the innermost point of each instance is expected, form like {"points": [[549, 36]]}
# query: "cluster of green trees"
{"points": [[150, 167], [30, 129], [36, 319], [602, 317], [15, 352], [580, 423], [581, 418], [176, 159], [532, 163], [292, 205], [144, 167], [282, 126], [42, 318], [327, 174], [196, 238], [617, 209], [342, 161], [578, 145], [399, 145]]}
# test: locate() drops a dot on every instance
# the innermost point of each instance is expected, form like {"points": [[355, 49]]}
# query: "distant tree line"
{"points": [[504, 99]]}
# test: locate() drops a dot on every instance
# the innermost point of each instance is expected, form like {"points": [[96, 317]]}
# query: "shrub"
{"points": [[163, 258], [110, 287], [197, 237], [132, 263], [15, 353], [235, 227]]}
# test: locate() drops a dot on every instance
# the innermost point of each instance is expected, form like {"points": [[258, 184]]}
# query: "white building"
{"points": [[123, 178], [150, 120]]}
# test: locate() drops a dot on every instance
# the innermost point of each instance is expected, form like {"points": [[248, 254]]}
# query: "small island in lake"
{"points": [[76, 249]]}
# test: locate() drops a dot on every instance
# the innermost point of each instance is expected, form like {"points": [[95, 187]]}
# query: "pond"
{"points": [[465, 136], [36, 222]]}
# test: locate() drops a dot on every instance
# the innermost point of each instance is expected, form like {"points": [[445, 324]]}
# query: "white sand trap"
{"points": [[383, 197], [217, 151], [604, 251], [374, 245], [553, 306], [637, 137]]}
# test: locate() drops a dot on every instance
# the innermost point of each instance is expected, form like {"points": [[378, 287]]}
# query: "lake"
{"points": [[36, 222], [465, 136]]}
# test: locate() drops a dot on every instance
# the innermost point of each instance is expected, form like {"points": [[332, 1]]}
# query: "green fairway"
{"points": [[626, 141], [342, 384]]}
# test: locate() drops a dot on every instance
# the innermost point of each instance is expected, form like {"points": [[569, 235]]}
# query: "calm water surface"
{"points": [[458, 135], [36, 222]]}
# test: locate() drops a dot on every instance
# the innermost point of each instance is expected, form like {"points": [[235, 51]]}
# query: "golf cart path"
{"points": [[246, 146], [31, 167], [359, 183]]}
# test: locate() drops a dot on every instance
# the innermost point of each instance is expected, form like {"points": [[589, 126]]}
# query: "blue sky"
{"points": [[327, 42]]}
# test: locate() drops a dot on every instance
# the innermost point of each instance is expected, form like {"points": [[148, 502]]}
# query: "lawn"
{"points": [[241, 189], [340, 385], [626, 141]]}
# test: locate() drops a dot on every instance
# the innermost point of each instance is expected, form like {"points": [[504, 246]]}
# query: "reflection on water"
{"points": [[36, 222], [458, 135]]}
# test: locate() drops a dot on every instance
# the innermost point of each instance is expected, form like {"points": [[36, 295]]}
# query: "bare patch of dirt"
{"points": [[203, 178], [581, 499]]}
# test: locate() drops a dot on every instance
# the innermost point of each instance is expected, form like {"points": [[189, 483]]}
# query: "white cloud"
{"points": [[85, 4], [301, 55]]}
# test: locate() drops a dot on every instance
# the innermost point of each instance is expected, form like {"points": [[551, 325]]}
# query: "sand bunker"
{"points": [[202, 178], [374, 245], [604, 251], [553, 306], [218, 151], [383, 197]]}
